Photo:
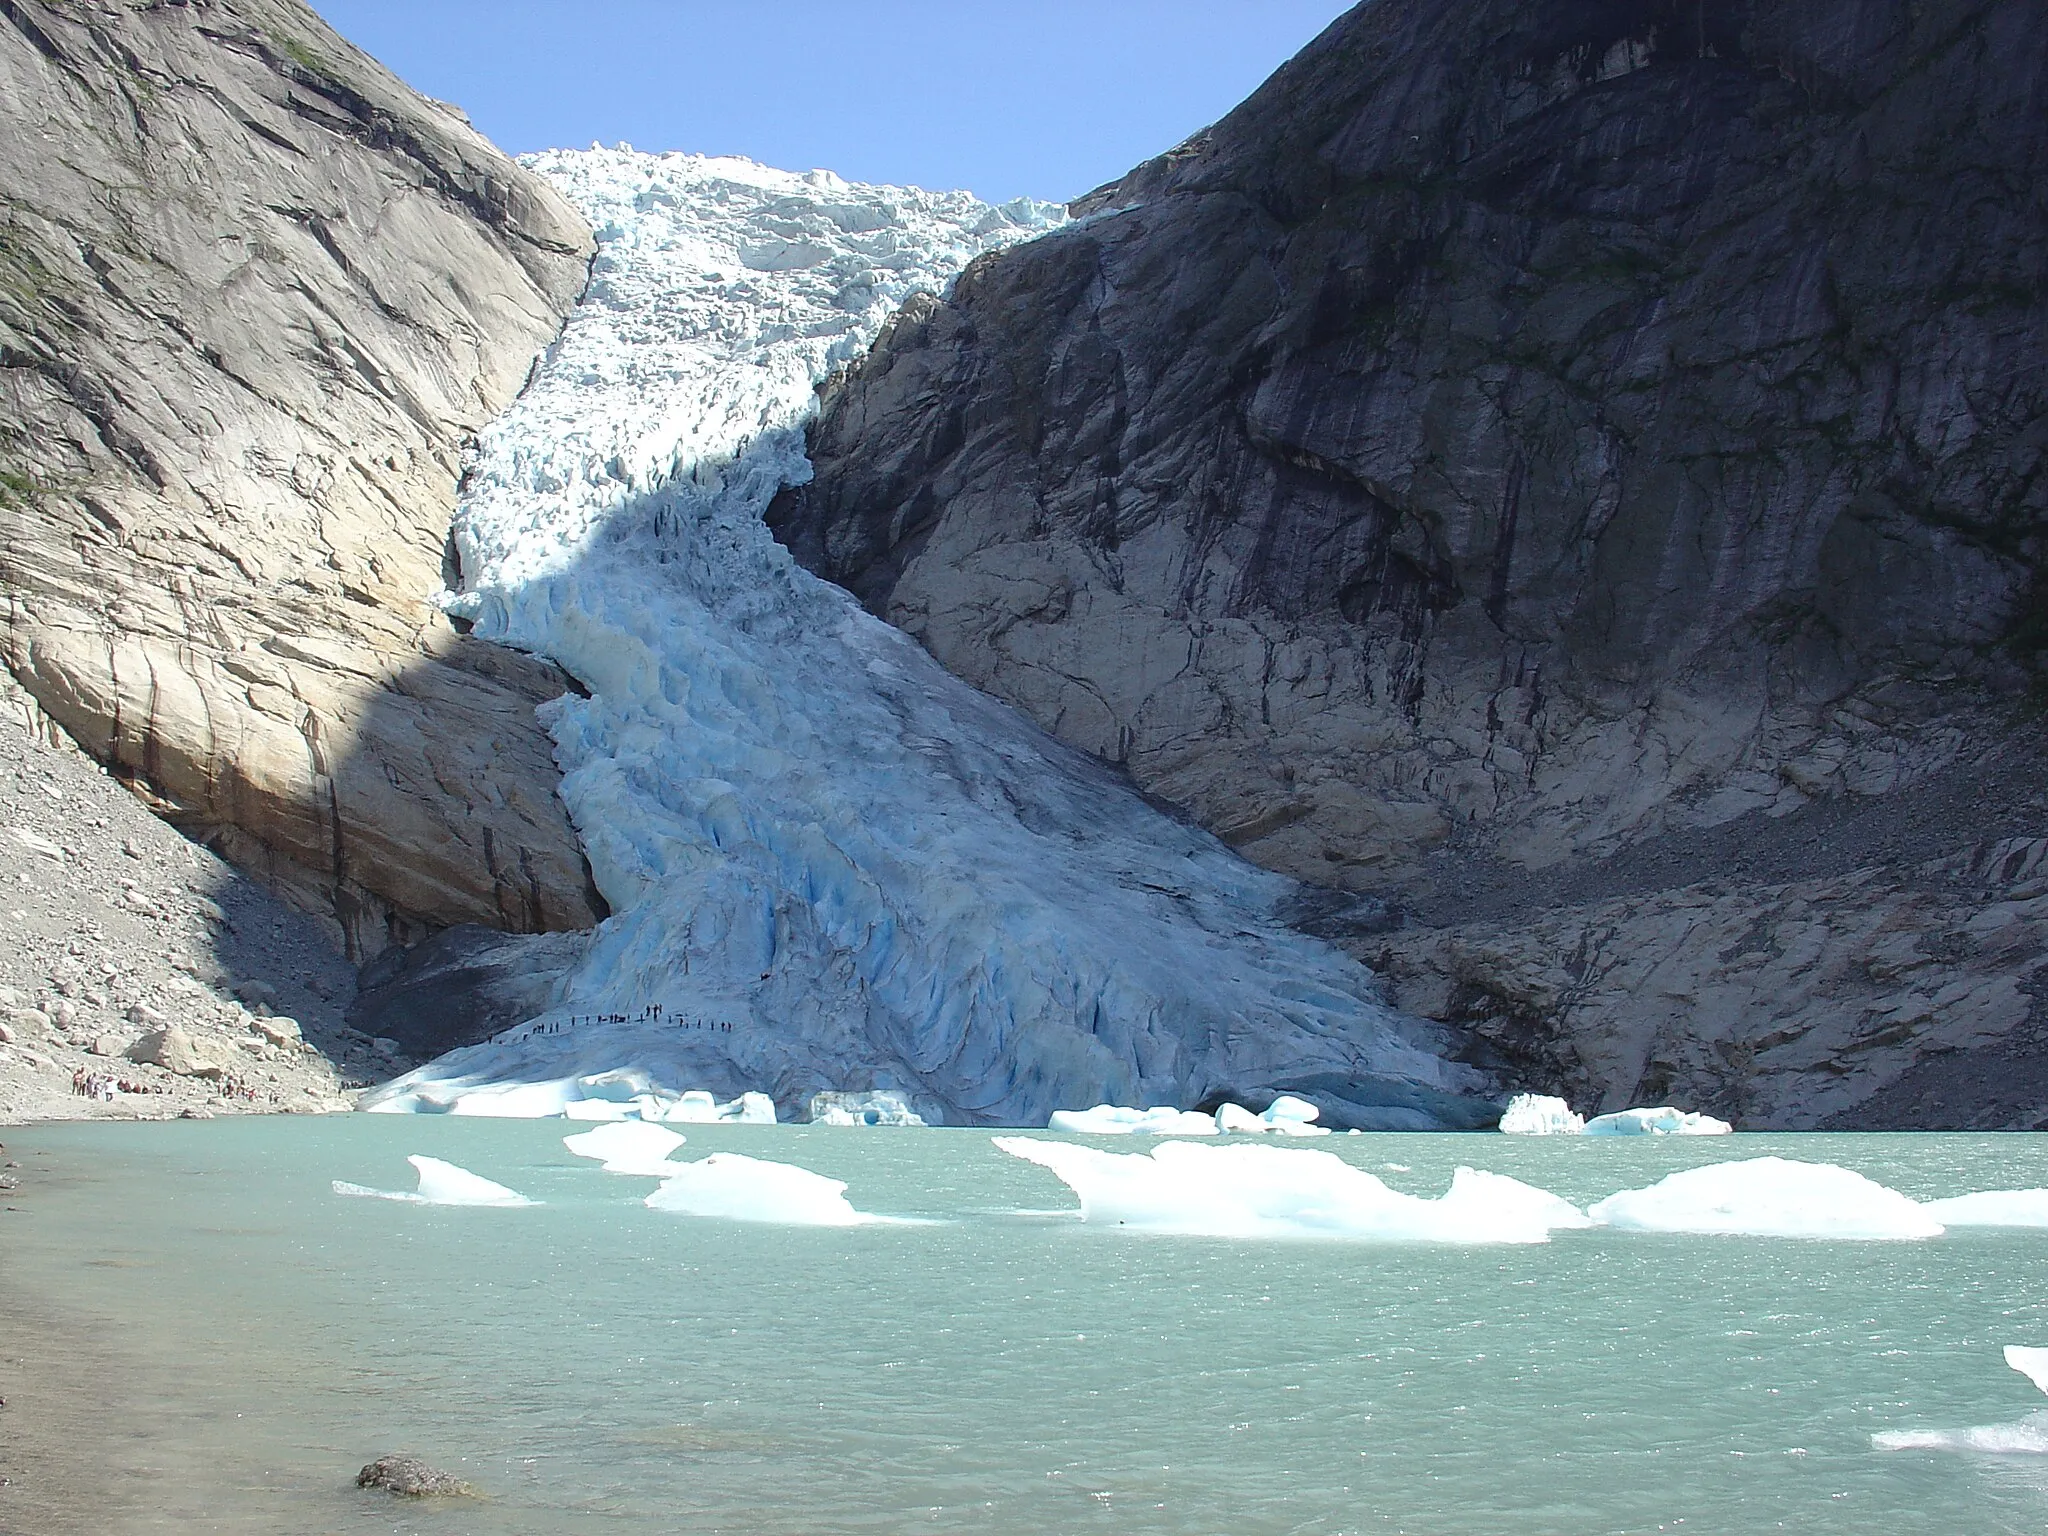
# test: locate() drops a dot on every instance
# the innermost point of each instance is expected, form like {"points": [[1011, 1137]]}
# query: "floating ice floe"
{"points": [[742, 1188], [440, 1184], [1285, 1116], [1768, 1197], [630, 1146], [1117, 1120], [1663, 1120], [1540, 1114], [1289, 1116], [699, 1108], [2030, 1363], [880, 1107], [1238, 1190], [1992, 1208]]}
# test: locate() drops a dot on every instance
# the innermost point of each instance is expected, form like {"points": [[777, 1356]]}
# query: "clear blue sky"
{"points": [[1002, 97]]}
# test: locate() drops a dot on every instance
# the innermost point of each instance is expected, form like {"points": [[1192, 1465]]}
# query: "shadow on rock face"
{"points": [[462, 986]]}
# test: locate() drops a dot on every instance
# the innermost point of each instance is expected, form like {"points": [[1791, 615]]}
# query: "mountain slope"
{"points": [[1518, 442], [255, 295], [830, 865]]}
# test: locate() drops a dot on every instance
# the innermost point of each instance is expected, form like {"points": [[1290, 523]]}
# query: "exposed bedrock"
{"points": [[255, 295], [1520, 438]]}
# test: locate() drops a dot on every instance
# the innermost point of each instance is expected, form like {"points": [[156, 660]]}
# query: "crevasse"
{"points": [[831, 865]]}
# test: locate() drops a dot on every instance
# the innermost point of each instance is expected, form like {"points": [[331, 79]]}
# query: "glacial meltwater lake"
{"points": [[211, 1339]]}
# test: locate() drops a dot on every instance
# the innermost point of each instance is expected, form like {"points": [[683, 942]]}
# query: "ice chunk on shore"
{"points": [[628, 1146], [1239, 1190], [742, 1188], [440, 1184], [1660, 1121], [881, 1107], [1116, 1120], [1992, 1208], [2030, 1363], [1540, 1114], [1768, 1197]]}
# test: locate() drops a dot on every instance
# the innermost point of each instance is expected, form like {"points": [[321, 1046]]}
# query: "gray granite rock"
{"points": [[1518, 436], [255, 295]]}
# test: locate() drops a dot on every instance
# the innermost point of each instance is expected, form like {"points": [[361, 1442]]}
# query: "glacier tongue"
{"points": [[831, 865]]}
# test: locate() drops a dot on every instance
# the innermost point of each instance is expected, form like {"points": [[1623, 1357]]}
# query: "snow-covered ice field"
{"points": [[832, 866]]}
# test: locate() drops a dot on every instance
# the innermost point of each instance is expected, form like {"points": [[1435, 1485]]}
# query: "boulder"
{"points": [[278, 1030], [178, 1051], [28, 1023]]}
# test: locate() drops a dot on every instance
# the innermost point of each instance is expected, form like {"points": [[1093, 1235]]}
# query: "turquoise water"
{"points": [[593, 1366]]}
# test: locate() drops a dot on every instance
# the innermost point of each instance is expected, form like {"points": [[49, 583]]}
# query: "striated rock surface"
{"points": [[255, 295], [1535, 452]]}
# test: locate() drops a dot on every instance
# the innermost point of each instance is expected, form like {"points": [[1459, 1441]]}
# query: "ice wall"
{"points": [[831, 865]]}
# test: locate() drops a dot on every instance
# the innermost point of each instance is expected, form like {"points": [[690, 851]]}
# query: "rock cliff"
{"points": [[1573, 471], [255, 295]]}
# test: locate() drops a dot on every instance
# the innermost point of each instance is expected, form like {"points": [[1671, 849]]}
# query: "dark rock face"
{"points": [[255, 295], [461, 986], [1521, 433]]}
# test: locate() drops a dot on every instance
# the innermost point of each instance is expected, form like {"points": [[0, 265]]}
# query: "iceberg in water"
{"points": [[1768, 1197], [827, 860], [743, 1188], [1992, 1208], [881, 1107], [1289, 1116], [699, 1108], [1540, 1114], [2030, 1363], [1238, 1190], [1285, 1116], [1660, 1121], [440, 1184], [1116, 1120], [628, 1147]]}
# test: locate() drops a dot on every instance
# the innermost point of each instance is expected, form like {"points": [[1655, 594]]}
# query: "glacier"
{"points": [[831, 866]]}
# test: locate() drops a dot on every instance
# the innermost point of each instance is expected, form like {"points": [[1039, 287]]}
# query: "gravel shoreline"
{"points": [[142, 977]]}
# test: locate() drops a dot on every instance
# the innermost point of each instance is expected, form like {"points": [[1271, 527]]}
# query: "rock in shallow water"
{"points": [[412, 1477]]}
